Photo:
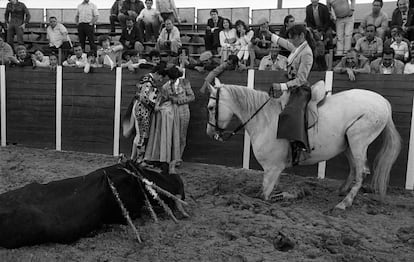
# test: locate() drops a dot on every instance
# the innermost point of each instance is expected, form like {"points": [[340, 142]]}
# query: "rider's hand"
{"points": [[274, 90], [351, 74]]}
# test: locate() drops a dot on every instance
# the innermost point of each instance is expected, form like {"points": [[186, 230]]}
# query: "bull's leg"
{"points": [[270, 180], [344, 188]]}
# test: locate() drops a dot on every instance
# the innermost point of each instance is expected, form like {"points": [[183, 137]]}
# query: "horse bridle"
{"points": [[219, 131]]}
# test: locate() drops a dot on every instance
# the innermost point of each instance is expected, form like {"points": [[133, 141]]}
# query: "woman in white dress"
{"points": [[228, 40], [244, 37]]}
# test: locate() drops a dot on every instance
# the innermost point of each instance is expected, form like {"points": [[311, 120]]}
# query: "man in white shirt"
{"points": [[58, 36], [169, 38], [149, 21], [78, 60], [273, 61], [86, 16], [344, 12]]}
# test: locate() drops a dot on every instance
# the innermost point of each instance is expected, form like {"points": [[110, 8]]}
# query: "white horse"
{"points": [[348, 121]]}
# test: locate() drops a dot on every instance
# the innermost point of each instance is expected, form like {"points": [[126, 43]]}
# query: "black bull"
{"points": [[65, 210]]}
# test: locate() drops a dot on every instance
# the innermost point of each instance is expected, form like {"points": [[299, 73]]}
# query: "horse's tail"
{"points": [[386, 156]]}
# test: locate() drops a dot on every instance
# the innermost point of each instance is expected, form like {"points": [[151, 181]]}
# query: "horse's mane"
{"points": [[249, 99]]}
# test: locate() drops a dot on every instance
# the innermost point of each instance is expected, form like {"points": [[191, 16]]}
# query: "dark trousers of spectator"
{"points": [[169, 15], [212, 41], [15, 29], [112, 20], [150, 31], [86, 30]]}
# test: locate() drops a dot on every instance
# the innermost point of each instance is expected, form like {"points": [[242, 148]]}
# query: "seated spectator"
{"points": [[108, 55], [53, 62], [318, 18], [58, 37], [370, 46], [169, 38], [232, 63], [39, 59], [92, 62], [149, 22], [206, 62], [261, 41], [400, 47], [130, 8], [168, 10], [214, 26], [16, 16], [353, 63], [403, 16], [115, 11], [244, 37], [228, 39], [22, 58], [288, 22], [131, 38], [273, 61], [78, 60], [409, 67], [394, 30], [6, 52], [377, 17], [387, 65], [133, 60], [154, 59]]}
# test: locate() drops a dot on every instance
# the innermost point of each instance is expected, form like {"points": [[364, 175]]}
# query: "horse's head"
{"points": [[219, 112]]}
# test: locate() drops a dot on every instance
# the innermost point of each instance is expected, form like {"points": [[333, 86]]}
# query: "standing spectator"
{"points": [[130, 8], [115, 11], [214, 26], [58, 37], [107, 55], [22, 58], [131, 38], [370, 46], [377, 17], [168, 10], [39, 59], [353, 63], [16, 16], [273, 61], [387, 65], [394, 30], [228, 38], [244, 37], [6, 52], [86, 16], [409, 67], [318, 18], [78, 60], [169, 38], [261, 41], [402, 52], [404, 17], [344, 12], [149, 22]]}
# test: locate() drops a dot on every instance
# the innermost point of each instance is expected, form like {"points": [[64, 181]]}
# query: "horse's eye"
{"points": [[210, 108]]}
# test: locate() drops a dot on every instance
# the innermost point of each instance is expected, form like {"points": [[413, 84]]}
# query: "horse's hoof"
{"points": [[340, 206]]}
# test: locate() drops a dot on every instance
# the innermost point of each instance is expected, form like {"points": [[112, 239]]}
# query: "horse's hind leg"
{"points": [[343, 189]]}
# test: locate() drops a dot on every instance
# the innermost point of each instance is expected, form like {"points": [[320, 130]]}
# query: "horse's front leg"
{"points": [[270, 180]]}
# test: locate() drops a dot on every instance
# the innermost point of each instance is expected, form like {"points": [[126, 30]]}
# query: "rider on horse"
{"points": [[292, 121]]}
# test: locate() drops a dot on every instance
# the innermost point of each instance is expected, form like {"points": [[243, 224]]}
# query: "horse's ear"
{"points": [[211, 88], [217, 82]]}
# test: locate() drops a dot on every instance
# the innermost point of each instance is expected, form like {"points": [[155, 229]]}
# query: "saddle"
{"points": [[318, 95]]}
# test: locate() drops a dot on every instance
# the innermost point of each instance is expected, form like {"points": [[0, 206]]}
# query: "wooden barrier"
{"points": [[89, 124]]}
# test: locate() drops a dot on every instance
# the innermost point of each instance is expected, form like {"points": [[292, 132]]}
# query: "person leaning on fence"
{"points": [[353, 63], [58, 37], [169, 38], [86, 16], [16, 17], [6, 52], [22, 58], [79, 59], [370, 46], [344, 13], [39, 59], [214, 26], [206, 62], [261, 41], [131, 37], [403, 16], [130, 8], [107, 55], [53, 62], [387, 65], [132, 60], [149, 22], [115, 11]]}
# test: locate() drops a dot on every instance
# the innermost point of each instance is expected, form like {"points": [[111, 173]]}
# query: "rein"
{"points": [[220, 130]]}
